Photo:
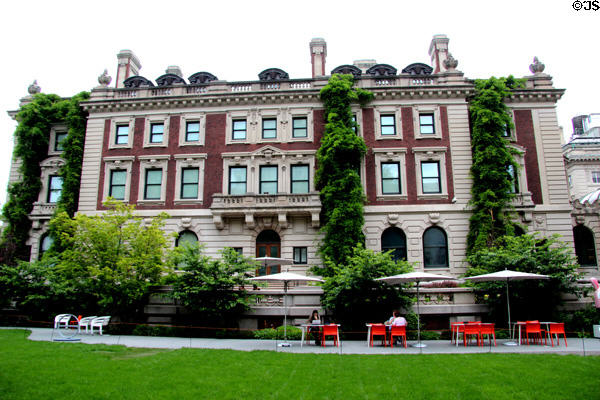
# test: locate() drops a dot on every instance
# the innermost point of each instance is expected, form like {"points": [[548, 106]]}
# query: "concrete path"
{"points": [[590, 346]]}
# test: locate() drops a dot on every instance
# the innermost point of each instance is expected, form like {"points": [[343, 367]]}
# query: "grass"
{"points": [[46, 370]]}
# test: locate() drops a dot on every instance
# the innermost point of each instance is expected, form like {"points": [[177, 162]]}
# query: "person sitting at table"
{"points": [[396, 320], [315, 331]]}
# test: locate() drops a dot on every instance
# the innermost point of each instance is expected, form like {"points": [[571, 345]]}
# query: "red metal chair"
{"points": [[556, 329], [378, 330], [533, 328], [472, 329], [331, 330], [399, 331], [489, 330]]}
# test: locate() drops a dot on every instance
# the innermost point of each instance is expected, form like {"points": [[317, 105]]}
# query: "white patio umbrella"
{"points": [[506, 275], [417, 277], [285, 277], [270, 261]]}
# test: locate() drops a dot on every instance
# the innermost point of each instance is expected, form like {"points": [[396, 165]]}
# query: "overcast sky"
{"points": [[65, 45]]}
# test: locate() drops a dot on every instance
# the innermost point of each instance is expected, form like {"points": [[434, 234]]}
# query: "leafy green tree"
{"points": [[530, 299], [492, 159], [337, 176], [110, 260], [207, 287], [27, 285], [353, 296]]}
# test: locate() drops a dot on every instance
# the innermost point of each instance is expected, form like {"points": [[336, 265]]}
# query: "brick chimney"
{"points": [[129, 65], [318, 54], [438, 51]]}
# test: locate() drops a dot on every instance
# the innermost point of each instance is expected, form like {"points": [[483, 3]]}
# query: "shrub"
{"points": [[293, 333]]}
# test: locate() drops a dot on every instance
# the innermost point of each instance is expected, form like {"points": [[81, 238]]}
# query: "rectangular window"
{"points": [[156, 133], [237, 180], [300, 179], [239, 129], [299, 127], [54, 188], [118, 178], [192, 131], [596, 176], [58, 141], [514, 183], [506, 131], [430, 177], [268, 179], [388, 124], [269, 128], [354, 123], [152, 189], [239, 250], [189, 183], [300, 255], [390, 178], [122, 136], [426, 124]]}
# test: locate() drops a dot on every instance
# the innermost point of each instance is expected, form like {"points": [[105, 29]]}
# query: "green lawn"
{"points": [[46, 370]]}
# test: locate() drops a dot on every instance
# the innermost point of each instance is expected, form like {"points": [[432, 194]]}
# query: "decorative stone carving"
{"points": [[273, 74], [169, 79], [450, 63], [186, 222], [34, 88], [136, 82], [347, 69], [104, 79], [539, 222], [537, 67], [201, 77], [382, 70], [393, 219], [434, 218], [417, 69]]}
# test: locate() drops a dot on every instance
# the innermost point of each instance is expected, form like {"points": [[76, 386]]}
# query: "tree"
{"points": [[534, 299], [337, 176], [207, 287], [353, 296], [492, 161], [111, 260]]}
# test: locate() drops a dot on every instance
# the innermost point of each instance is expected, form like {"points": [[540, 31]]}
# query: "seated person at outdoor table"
{"points": [[396, 320], [316, 331]]}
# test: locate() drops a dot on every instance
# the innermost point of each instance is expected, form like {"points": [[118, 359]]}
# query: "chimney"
{"points": [[129, 65], [175, 70], [318, 53], [438, 51]]}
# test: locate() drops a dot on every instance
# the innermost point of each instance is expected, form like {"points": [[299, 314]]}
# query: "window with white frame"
{"points": [[54, 188], [388, 124], [299, 127], [189, 178], [153, 172], [300, 255], [122, 134], [59, 139], [430, 163], [269, 128], [427, 122], [514, 179], [192, 131], [237, 180], [239, 129], [390, 178], [153, 184], [300, 178], [117, 184], [430, 177], [157, 131], [117, 177], [595, 176], [268, 179]]}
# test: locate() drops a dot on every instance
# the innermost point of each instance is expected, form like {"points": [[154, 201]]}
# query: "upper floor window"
{"points": [[268, 179], [354, 123], [54, 188], [435, 248], [514, 179], [118, 179], [596, 176], [506, 132], [239, 129], [299, 127], [237, 180], [300, 179], [122, 135], [388, 124], [192, 131], [390, 178], [59, 141], [300, 255], [426, 124], [430, 177], [156, 133], [189, 183], [45, 244], [269, 128], [153, 184]]}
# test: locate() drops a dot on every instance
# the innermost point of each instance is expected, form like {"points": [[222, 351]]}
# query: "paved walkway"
{"points": [[590, 346]]}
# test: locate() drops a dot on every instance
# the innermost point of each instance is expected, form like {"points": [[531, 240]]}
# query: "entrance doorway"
{"points": [[268, 244]]}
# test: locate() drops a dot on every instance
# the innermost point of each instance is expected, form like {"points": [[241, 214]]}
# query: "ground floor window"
{"points": [[585, 246], [435, 248], [394, 239]]}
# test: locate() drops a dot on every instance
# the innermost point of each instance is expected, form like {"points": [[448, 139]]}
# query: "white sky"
{"points": [[65, 45]]}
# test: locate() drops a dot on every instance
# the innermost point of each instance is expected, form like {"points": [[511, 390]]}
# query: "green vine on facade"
{"points": [[31, 148], [337, 176], [493, 160]]}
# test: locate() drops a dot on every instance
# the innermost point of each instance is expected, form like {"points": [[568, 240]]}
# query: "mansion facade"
{"points": [[233, 163]]}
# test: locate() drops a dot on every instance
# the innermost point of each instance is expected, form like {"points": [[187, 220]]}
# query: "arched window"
{"points": [[394, 239], [268, 244], [585, 246], [45, 244], [435, 248], [186, 237]]}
